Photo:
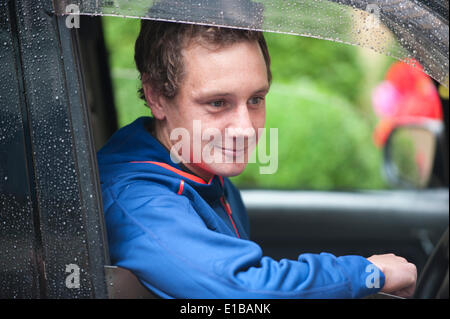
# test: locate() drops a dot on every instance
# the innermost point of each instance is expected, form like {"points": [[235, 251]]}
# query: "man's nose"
{"points": [[242, 122]]}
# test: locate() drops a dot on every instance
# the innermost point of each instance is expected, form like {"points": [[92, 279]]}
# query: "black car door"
{"points": [[51, 229]]}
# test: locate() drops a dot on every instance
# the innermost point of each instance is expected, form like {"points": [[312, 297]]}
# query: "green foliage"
{"points": [[322, 143], [333, 66], [120, 35]]}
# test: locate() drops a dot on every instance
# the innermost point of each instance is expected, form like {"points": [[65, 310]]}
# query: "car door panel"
{"points": [[61, 215]]}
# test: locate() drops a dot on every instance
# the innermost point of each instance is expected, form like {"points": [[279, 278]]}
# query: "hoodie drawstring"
{"points": [[228, 210]]}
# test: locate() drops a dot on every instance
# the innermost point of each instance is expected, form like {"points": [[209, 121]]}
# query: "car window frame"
{"points": [[70, 246]]}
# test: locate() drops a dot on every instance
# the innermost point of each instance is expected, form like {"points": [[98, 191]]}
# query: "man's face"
{"points": [[223, 97]]}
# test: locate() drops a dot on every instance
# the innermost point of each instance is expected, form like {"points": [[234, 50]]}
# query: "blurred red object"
{"points": [[406, 96]]}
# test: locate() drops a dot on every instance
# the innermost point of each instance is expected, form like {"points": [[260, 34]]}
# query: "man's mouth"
{"points": [[232, 151]]}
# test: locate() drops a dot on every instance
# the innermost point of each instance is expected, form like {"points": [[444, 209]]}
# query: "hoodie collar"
{"points": [[135, 145]]}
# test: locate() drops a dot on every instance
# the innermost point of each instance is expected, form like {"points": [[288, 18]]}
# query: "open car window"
{"points": [[340, 121], [408, 30]]}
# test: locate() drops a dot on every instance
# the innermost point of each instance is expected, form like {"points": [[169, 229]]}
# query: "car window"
{"points": [[50, 222], [409, 30], [322, 102], [320, 105], [17, 229]]}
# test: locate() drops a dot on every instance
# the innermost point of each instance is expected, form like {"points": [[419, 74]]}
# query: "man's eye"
{"points": [[255, 100], [218, 103]]}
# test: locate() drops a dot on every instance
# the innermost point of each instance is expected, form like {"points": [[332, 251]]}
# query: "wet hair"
{"points": [[158, 51]]}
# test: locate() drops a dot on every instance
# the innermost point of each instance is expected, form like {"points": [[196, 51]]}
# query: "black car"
{"points": [[57, 110]]}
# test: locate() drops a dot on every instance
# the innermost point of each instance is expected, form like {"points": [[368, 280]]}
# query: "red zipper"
{"points": [[228, 210]]}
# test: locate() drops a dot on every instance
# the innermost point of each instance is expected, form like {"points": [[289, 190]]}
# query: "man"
{"points": [[178, 223]]}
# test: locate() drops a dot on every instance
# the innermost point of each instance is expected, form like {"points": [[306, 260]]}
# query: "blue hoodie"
{"points": [[187, 238]]}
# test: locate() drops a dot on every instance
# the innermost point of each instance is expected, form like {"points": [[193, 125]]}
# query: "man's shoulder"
{"points": [[144, 187], [137, 192]]}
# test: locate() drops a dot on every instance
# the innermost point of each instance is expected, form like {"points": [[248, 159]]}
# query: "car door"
{"points": [[52, 236]]}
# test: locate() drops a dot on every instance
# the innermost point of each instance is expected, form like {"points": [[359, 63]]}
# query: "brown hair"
{"points": [[158, 50]]}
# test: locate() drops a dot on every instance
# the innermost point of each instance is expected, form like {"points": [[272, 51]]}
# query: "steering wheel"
{"points": [[433, 282]]}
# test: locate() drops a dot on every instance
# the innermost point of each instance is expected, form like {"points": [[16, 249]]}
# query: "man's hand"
{"points": [[401, 276]]}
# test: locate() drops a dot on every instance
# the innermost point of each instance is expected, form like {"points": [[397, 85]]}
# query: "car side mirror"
{"points": [[410, 154]]}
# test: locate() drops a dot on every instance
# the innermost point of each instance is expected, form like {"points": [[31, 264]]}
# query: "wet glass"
{"points": [[18, 257], [412, 31], [51, 232]]}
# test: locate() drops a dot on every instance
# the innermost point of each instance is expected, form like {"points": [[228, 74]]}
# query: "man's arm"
{"points": [[169, 247]]}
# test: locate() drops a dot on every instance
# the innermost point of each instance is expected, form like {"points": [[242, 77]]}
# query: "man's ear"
{"points": [[153, 99]]}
